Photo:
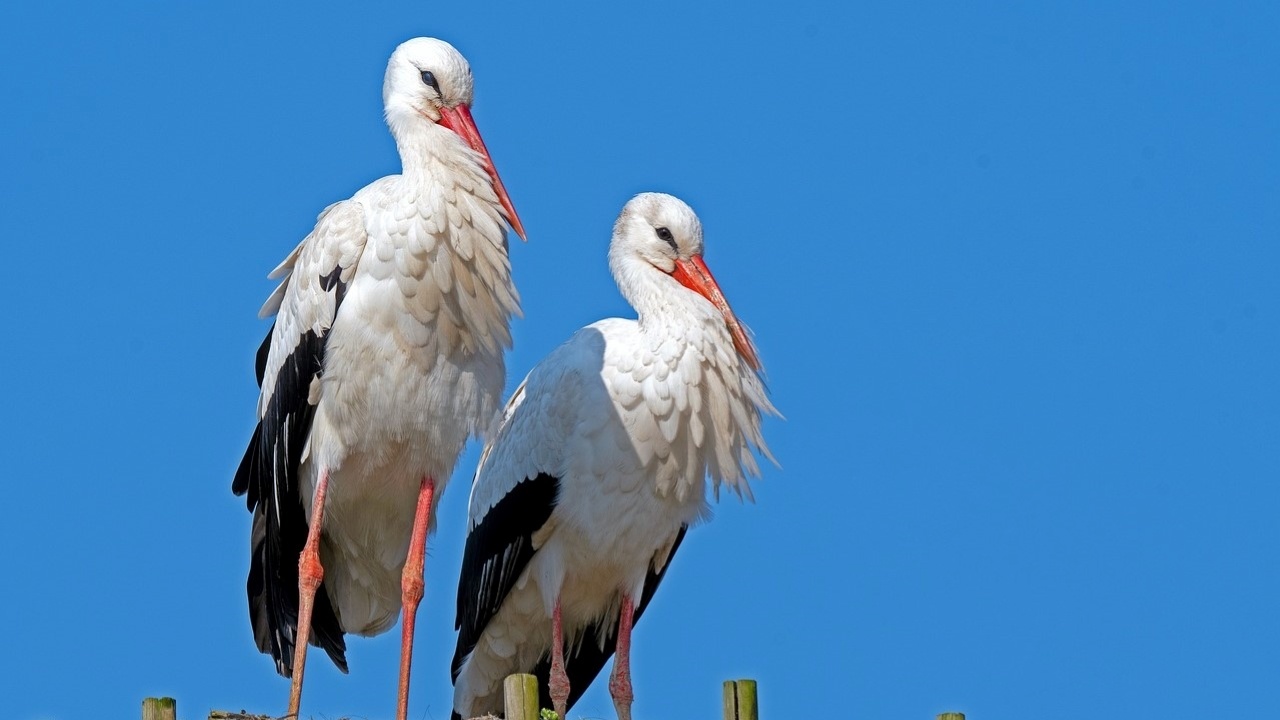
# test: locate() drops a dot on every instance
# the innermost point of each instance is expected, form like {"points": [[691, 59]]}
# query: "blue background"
{"points": [[1012, 271]]}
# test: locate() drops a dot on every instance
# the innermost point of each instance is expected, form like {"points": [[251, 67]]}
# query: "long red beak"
{"points": [[693, 274], [458, 119]]}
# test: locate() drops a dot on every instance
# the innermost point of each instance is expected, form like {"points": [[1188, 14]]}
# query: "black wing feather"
{"points": [[268, 476], [585, 662], [497, 551], [264, 351]]}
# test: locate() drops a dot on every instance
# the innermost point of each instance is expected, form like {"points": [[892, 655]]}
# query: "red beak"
{"points": [[693, 274], [458, 119]]}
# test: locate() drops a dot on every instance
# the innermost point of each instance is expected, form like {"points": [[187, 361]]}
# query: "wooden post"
{"points": [[520, 692], [740, 700], [165, 708], [950, 716]]}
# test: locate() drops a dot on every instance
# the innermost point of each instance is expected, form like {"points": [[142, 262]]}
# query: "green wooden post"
{"points": [[165, 708], [740, 700], [950, 716], [520, 692]]}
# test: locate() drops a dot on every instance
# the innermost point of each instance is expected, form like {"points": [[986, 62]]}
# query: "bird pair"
{"points": [[386, 355]]}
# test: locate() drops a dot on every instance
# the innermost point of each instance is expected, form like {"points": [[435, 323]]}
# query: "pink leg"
{"points": [[620, 680], [310, 574], [559, 681], [411, 589]]}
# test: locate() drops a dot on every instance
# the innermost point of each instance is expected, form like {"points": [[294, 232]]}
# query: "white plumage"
{"points": [[387, 353], [599, 464]]}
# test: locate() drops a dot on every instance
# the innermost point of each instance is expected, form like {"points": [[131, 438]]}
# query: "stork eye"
{"points": [[665, 235], [429, 78]]}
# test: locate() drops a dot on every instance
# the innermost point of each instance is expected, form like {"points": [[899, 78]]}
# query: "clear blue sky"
{"points": [[1013, 272]]}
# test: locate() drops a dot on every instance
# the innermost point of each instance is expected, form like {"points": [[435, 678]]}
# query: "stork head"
{"points": [[663, 232], [429, 82], [424, 76]]}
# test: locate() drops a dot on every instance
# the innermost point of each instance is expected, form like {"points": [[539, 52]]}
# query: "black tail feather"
{"points": [[268, 477], [273, 602]]}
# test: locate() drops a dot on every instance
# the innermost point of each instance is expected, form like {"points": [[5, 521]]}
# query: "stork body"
{"points": [[386, 354], [599, 466]]}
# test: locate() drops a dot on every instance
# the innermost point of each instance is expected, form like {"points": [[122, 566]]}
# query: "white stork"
{"points": [[385, 355], [597, 468]]}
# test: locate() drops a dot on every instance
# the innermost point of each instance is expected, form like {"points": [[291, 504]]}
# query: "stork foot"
{"points": [[310, 575], [558, 683], [620, 678], [620, 690], [411, 589]]}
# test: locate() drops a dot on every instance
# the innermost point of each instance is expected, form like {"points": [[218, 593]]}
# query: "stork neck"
{"points": [[658, 299], [422, 146]]}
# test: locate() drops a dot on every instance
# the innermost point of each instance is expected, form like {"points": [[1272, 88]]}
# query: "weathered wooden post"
{"points": [[740, 700], [520, 694], [950, 716], [165, 708]]}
